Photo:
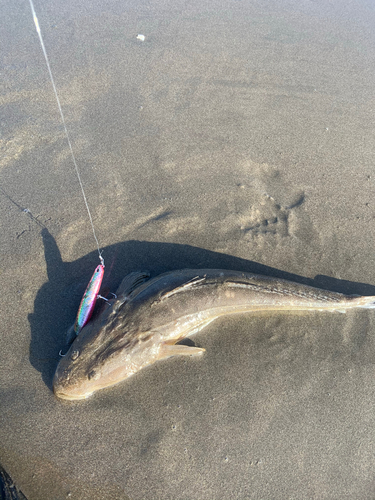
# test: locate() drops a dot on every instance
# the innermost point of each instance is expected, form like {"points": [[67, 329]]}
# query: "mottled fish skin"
{"points": [[145, 322]]}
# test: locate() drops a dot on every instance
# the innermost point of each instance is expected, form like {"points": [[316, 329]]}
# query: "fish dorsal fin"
{"points": [[131, 282]]}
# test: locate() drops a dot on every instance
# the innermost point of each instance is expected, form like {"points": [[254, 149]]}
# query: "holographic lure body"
{"points": [[88, 301]]}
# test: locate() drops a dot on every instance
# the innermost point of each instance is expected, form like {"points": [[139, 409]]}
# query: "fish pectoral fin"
{"points": [[131, 282], [168, 350]]}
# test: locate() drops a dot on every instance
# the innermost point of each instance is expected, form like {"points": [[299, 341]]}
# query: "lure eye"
{"points": [[74, 355]]}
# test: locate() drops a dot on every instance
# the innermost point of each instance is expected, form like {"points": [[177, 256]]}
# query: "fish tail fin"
{"points": [[366, 302]]}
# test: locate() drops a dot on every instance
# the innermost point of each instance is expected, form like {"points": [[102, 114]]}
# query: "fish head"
{"points": [[98, 358], [71, 380]]}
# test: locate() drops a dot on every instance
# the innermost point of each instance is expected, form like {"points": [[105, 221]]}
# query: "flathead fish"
{"points": [[147, 318]]}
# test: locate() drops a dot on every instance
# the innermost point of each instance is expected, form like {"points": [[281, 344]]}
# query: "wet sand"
{"points": [[237, 135]]}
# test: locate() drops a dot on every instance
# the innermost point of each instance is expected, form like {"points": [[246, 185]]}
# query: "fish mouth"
{"points": [[64, 389], [61, 392], [70, 397]]}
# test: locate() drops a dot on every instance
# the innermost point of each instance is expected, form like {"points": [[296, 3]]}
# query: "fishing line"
{"points": [[65, 128], [25, 210]]}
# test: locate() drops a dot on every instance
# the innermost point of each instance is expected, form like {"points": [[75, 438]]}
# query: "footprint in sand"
{"points": [[270, 218]]}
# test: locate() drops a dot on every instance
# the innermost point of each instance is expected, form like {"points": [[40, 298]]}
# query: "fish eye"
{"points": [[74, 355], [93, 375]]}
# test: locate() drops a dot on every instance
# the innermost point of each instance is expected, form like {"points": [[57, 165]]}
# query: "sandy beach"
{"points": [[236, 135]]}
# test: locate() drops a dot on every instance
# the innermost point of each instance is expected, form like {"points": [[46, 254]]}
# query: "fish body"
{"points": [[88, 301], [146, 320]]}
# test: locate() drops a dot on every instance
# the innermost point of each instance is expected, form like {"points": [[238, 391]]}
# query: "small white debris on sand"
{"points": [[141, 38]]}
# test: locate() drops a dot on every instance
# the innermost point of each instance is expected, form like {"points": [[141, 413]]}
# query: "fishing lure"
{"points": [[87, 304], [88, 301]]}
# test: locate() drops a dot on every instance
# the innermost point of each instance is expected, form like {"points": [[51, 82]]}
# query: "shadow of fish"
{"points": [[149, 317]]}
